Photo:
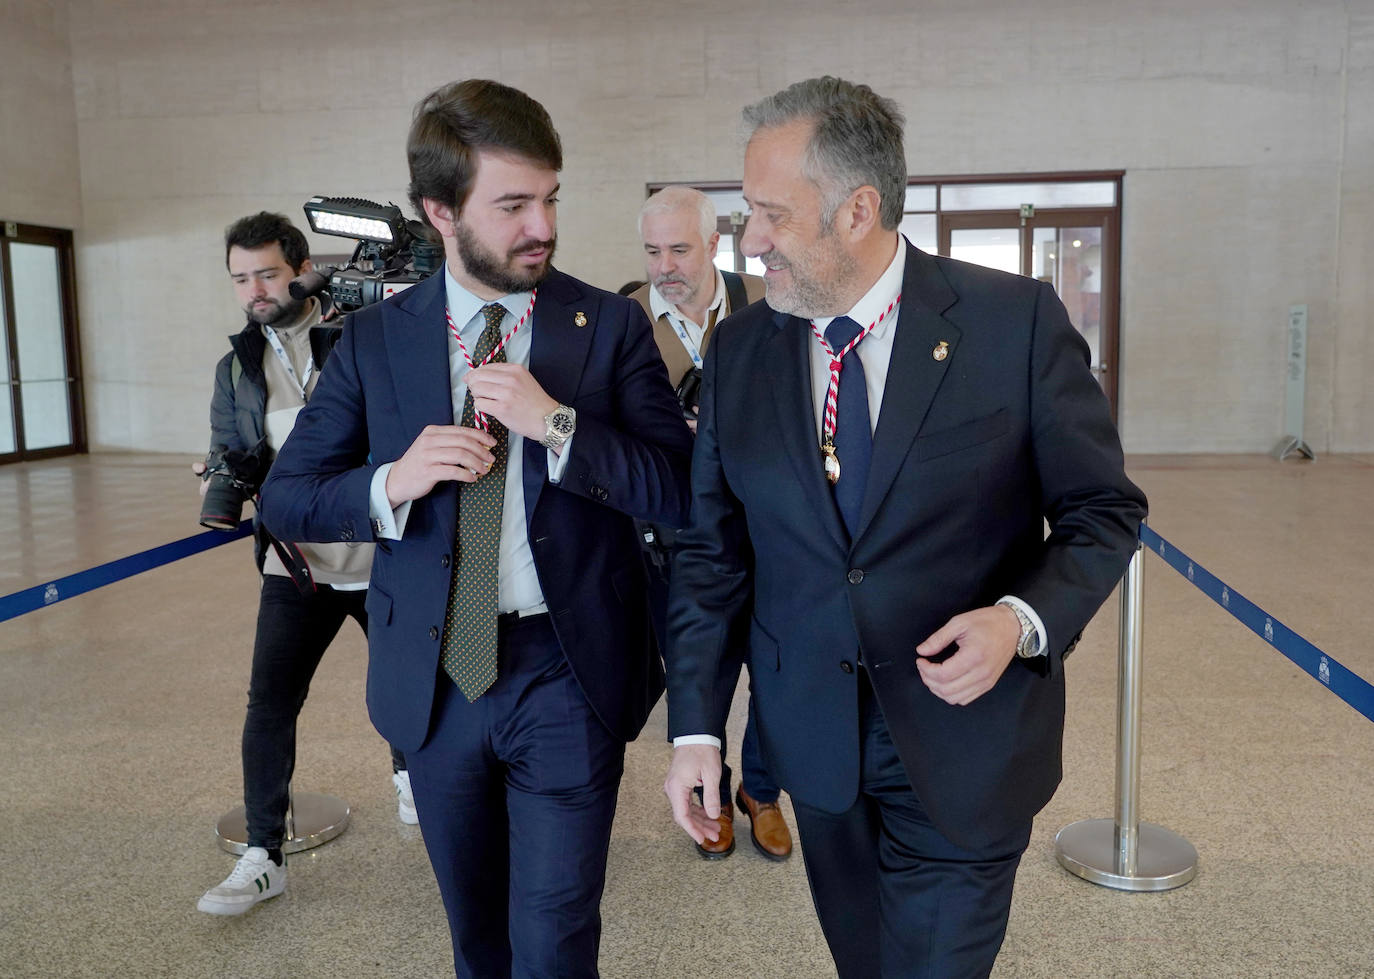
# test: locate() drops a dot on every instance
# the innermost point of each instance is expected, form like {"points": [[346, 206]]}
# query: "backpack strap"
{"points": [[735, 291]]}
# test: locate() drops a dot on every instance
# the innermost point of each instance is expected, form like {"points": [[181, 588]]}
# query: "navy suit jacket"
{"points": [[387, 379], [972, 453]]}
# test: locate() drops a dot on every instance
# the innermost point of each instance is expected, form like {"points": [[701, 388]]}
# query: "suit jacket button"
{"points": [[443, 561], [846, 666], [855, 576], [434, 632]]}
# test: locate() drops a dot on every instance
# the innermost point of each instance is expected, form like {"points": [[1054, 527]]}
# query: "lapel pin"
{"points": [[941, 350], [580, 318]]}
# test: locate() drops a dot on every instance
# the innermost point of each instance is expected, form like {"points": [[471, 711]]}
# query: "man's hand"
{"points": [[199, 469], [987, 640], [440, 452], [693, 765], [511, 395]]}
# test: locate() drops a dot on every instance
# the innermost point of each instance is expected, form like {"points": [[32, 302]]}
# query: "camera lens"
{"points": [[222, 506]]}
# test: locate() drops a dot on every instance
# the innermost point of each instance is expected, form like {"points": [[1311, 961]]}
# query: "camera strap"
{"points": [[296, 564], [280, 351]]}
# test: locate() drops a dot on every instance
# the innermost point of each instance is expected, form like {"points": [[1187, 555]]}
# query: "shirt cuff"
{"points": [[1035, 621], [387, 524], [683, 739], [557, 463]]}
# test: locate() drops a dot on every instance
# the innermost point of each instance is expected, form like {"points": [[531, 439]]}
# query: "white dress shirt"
{"points": [[519, 589]]}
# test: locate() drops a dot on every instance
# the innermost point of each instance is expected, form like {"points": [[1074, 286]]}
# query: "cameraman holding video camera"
{"points": [[307, 590], [686, 297]]}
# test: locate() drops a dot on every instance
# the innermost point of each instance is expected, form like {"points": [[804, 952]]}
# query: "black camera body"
{"points": [[234, 476], [391, 254], [689, 393]]}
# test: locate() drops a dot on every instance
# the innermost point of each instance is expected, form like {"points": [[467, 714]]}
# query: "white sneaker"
{"points": [[255, 878], [405, 799]]}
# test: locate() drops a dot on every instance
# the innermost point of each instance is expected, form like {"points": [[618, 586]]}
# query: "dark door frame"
{"points": [[61, 240]]}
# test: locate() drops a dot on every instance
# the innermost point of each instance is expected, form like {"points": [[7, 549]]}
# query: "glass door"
{"points": [[1075, 252], [1073, 249], [41, 410]]}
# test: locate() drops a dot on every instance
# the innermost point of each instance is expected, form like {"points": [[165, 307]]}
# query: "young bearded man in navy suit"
{"points": [[495, 429], [878, 450]]}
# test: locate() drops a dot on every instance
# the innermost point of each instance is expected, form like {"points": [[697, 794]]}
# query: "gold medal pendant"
{"points": [[831, 461]]}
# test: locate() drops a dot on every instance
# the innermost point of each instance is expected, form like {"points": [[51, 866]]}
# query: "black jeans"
{"points": [[294, 630]]}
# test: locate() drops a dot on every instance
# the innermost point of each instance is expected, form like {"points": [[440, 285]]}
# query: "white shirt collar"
{"points": [[658, 305], [463, 306], [875, 302]]}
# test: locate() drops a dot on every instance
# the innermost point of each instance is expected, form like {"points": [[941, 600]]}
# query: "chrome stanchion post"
{"points": [[1125, 853], [1127, 835]]}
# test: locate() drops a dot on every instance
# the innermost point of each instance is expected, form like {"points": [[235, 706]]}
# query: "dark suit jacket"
{"points": [[971, 454], [387, 379]]}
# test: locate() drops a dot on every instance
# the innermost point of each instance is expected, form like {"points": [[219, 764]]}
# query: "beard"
{"points": [[675, 290], [274, 311], [487, 267], [815, 280]]}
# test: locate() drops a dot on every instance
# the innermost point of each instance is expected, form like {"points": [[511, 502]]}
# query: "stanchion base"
{"points": [[317, 819], [1293, 446], [1164, 860]]}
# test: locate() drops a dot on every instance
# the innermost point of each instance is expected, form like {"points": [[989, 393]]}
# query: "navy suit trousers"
{"points": [[895, 898], [516, 794]]}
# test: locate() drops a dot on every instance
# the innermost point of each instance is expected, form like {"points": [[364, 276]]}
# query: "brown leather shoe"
{"points": [[724, 846], [767, 829]]}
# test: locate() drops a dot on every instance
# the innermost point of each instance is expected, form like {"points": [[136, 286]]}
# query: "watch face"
{"points": [[562, 422]]}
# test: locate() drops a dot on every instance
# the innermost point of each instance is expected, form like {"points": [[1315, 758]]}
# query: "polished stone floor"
{"points": [[120, 713]]}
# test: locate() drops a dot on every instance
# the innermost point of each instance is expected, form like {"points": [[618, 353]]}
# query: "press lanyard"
{"points": [[481, 417], [832, 392], [676, 322], [301, 383]]}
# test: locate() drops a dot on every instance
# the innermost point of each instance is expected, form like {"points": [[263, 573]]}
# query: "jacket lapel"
{"points": [[416, 337], [559, 348], [913, 374], [787, 358], [416, 340]]}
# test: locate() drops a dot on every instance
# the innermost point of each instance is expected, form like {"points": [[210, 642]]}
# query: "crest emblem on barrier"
{"points": [[1225, 597], [1269, 630], [50, 594], [1162, 548], [1324, 671], [1190, 570]]}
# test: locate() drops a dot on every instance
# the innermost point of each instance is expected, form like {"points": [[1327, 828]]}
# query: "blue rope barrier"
{"points": [[1350, 687], [49, 593]]}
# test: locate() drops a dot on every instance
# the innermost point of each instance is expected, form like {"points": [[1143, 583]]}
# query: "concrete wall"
{"points": [[1246, 130], [39, 178]]}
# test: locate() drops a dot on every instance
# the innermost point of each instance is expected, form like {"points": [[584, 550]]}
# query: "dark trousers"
{"points": [[754, 774], [895, 898], [294, 630], [516, 793]]}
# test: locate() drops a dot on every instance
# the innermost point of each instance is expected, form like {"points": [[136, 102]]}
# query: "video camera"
{"points": [[392, 253]]}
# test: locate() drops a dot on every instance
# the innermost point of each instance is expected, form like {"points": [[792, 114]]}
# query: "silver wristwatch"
{"points": [[559, 425], [1028, 646]]}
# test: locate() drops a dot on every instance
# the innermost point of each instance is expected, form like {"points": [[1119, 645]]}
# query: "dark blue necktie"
{"points": [[853, 433]]}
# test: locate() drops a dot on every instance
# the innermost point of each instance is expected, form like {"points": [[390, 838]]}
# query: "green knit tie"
{"points": [[469, 643]]}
